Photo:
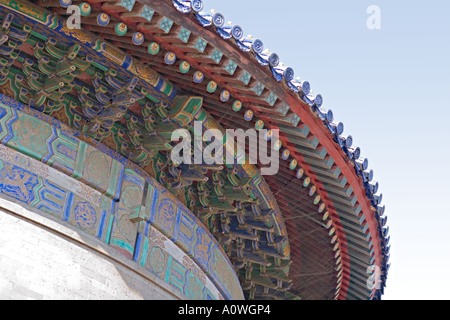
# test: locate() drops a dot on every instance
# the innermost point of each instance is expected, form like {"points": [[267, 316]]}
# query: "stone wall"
{"points": [[43, 259]]}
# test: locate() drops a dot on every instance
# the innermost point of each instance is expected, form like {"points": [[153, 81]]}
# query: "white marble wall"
{"points": [[43, 259]]}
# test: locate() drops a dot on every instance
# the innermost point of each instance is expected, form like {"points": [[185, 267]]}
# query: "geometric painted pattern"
{"points": [[166, 24], [231, 67], [216, 56], [245, 77], [184, 35], [258, 89], [200, 45], [48, 197], [121, 209]]}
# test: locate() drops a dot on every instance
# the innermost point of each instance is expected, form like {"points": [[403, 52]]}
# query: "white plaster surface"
{"points": [[42, 259]]}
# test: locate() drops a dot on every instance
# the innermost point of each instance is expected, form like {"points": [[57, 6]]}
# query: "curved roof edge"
{"points": [[302, 102], [302, 88]]}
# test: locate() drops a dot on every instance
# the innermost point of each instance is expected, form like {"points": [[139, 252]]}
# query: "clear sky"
{"points": [[390, 88]]}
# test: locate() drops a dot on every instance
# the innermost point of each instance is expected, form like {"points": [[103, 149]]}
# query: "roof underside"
{"points": [[330, 207]]}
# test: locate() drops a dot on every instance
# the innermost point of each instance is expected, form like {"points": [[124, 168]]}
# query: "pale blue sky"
{"points": [[391, 88]]}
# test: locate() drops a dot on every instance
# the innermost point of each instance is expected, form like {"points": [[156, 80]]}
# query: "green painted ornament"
{"points": [[211, 87], [293, 164], [306, 182], [153, 48], [184, 67], [259, 124], [121, 29], [237, 106], [300, 173], [317, 199], [278, 144], [312, 191], [85, 9]]}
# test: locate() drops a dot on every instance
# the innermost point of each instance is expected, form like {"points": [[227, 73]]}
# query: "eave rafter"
{"points": [[244, 88]]}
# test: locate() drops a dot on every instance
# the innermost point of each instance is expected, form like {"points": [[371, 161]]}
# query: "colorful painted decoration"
{"points": [[138, 38], [317, 199], [224, 96], [85, 9], [285, 154], [170, 58], [121, 29], [65, 3], [306, 182], [237, 106], [153, 48], [248, 116], [278, 144], [198, 77], [211, 87], [300, 173], [259, 124], [334, 239], [332, 231], [113, 79], [103, 19], [329, 224], [184, 67], [312, 191], [338, 252], [293, 164]]}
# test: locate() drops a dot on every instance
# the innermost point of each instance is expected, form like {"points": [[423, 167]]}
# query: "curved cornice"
{"points": [[236, 67]]}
